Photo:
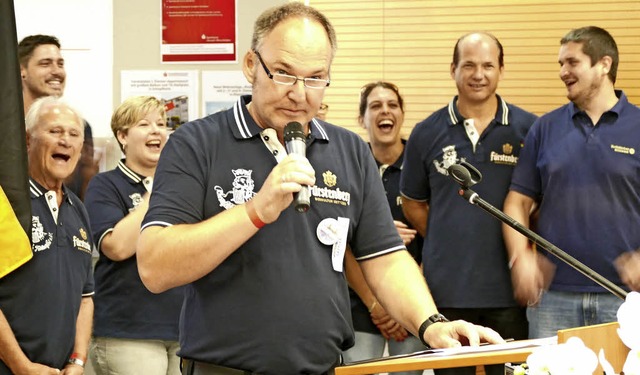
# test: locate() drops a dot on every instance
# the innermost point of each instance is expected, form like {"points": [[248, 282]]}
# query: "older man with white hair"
{"points": [[46, 305]]}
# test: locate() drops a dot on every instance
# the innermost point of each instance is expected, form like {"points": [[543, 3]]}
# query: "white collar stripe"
{"points": [[128, 172], [320, 129], [240, 120], [505, 113], [34, 189], [452, 113]]}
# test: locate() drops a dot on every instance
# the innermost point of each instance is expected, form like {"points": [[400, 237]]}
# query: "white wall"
{"points": [[85, 30]]}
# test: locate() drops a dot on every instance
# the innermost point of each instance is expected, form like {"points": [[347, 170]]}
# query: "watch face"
{"points": [[438, 318]]}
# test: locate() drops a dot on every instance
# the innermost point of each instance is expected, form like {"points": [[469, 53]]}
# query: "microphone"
{"points": [[295, 143], [465, 174]]}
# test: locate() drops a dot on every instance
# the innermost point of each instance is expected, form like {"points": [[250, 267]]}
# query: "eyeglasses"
{"points": [[289, 80]]}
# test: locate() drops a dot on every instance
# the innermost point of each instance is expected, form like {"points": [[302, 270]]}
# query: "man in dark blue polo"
{"points": [[480, 127], [580, 167], [265, 290], [46, 305]]}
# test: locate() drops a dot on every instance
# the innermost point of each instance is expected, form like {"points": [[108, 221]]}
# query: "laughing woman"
{"points": [[135, 331], [382, 115]]}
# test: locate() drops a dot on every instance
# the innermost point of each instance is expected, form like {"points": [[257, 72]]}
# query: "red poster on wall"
{"points": [[198, 31]]}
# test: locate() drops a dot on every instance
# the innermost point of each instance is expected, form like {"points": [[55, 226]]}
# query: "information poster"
{"points": [[199, 31], [178, 89], [221, 89]]}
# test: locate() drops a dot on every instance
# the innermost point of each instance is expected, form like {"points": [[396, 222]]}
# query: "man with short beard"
{"points": [[579, 166]]}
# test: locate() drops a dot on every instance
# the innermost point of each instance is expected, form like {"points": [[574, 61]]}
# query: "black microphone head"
{"points": [[459, 173], [465, 174], [293, 130]]}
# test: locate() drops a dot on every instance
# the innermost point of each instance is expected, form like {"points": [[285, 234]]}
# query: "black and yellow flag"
{"points": [[15, 203]]}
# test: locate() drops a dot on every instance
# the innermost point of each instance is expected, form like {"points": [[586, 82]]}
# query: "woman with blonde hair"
{"points": [[135, 331]]}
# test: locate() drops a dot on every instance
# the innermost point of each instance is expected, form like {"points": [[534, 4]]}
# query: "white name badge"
{"points": [[340, 246], [327, 231]]}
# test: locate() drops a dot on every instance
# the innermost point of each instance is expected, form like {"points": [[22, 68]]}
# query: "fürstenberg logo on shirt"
{"points": [[327, 195], [503, 159], [623, 149], [82, 244], [506, 157]]}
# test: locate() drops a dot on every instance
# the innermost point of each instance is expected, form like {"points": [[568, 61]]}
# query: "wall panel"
{"points": [[410, 43]]}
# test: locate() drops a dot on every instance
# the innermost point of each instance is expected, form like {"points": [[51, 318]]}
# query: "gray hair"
{"points": [[35, 111], [273, 16]]}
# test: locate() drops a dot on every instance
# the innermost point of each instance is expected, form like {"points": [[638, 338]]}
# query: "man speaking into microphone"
{"points": [[265, 292]]}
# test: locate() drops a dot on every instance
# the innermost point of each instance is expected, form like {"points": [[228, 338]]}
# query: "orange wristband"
{"points": [[253, 215]]}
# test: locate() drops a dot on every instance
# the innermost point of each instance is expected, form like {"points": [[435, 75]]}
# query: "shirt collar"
{"points": [[617, 108], [134, 177], [502, 114], [246, 127], [398, 163], [129, 173], [36, 190]]}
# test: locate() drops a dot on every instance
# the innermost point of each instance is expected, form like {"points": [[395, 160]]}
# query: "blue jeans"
{"points": [[371, 345], [560, 310]]}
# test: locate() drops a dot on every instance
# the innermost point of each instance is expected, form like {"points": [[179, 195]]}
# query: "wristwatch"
{"points": [[435, 318]]}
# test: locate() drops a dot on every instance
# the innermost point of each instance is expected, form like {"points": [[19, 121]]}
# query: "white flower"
{"points": [[629, 320], [632, 364], [571, 357]]}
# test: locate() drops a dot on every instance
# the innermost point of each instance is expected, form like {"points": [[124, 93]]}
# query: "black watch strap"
{"points": [[435, 318]]}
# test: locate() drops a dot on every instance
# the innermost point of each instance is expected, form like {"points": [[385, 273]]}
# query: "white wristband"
{"points": [[76, 361]]}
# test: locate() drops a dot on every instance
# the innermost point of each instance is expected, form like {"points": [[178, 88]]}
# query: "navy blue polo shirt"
{"points": [[41, 299], [274, 306], [390, 175], [464, 257], [124, 307], [587, 181]]}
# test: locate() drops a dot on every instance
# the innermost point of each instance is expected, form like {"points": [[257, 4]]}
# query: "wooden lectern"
{"points": [[435, 362], [600, 336], [594, 337]]}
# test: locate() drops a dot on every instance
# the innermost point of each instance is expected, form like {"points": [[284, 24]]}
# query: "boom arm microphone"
{"points": [[466, 175], [295, 143]]}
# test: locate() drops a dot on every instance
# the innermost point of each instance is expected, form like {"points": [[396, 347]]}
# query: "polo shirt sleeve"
{"points": [[526, 177], [89, 286], [104, 206], [375, 234], [414, 181], [179, 184]]}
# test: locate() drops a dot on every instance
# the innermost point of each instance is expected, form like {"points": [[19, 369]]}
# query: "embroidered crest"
{"points": [[83, 234], [330, 179], [241, 192], [507, 149], [136, 200], [449, 157], [41, 240]]}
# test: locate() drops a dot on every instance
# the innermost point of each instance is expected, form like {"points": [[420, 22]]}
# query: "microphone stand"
{"points": [[466, 175]]}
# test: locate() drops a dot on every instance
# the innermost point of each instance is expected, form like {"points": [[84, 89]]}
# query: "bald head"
{"points": [[478, 36]]}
